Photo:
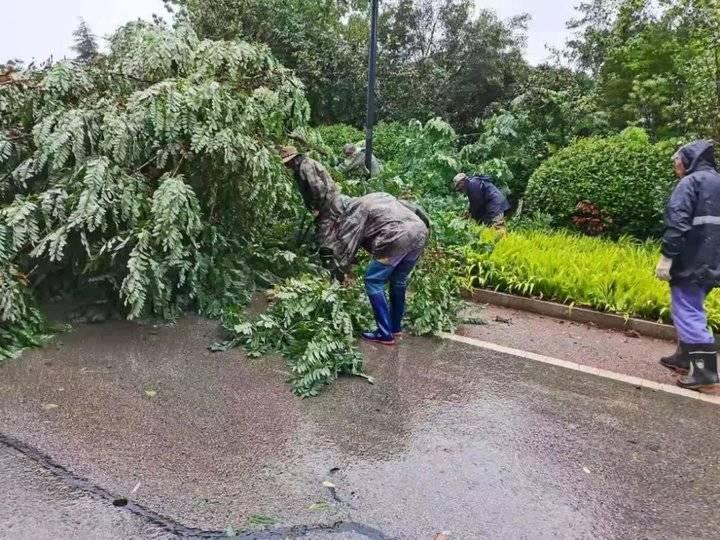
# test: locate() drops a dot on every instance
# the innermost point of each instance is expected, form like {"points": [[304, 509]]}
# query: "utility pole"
{"points": [[372, 77]]}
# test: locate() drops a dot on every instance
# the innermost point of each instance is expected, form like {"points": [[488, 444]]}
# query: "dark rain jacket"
{"points": [[692, 219], [486, 201], [378, 222]]}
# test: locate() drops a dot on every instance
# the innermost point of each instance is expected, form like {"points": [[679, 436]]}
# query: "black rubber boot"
{"points": [[679, 362], [703, 367]]}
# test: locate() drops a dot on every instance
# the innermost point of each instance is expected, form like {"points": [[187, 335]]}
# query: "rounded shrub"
{"points": [[626, 178]]}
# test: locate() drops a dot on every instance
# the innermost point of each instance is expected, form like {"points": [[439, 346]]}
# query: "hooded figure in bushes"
{"points": [[355, 158], [691, 261], [394, 232]]}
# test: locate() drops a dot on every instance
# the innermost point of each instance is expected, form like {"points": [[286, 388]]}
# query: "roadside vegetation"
{"points": [[610, 276], [144, 177]]}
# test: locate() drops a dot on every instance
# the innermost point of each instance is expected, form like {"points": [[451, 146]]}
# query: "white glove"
{"points": [[662, 271]]}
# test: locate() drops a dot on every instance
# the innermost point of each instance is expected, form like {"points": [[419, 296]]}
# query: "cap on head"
{"points": [[459, 181], [288, 153]]}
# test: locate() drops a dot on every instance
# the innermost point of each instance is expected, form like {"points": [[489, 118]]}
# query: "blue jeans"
{"points": [[395, 270], [688, 314]]}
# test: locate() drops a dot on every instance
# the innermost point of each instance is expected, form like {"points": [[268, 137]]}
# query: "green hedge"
{"points": [[626, 177], [338, 135], [615, 277], [390, 139]]}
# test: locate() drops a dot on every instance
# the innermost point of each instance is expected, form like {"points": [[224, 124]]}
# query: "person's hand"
{"points": [[662, 271]]}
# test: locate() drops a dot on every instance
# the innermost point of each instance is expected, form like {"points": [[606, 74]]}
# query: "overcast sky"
{"points": [[38, 28]]}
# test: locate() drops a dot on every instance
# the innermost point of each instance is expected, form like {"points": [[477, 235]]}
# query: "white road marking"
{"points": [[628, 379]]}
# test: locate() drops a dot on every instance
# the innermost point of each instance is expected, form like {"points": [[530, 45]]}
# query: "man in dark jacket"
{"points": [[393, 231], [691, 262], [487, 203]]}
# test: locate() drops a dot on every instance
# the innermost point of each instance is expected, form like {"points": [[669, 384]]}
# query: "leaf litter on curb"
{"points": [[259, 519]]}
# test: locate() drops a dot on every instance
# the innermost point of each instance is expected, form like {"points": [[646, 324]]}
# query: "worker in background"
{"points": [[310, 174], [392, 231], [355, 162], [488, 204], [690, 261]]}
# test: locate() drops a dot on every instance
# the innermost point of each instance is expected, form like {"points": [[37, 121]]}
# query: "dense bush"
{"points": [[426, 158], [390, 138], [338, 135], [424, 161], [616, 277], [626, 178]]}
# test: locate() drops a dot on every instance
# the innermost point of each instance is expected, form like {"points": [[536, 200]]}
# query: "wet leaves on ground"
{"points": [[259, 519]]}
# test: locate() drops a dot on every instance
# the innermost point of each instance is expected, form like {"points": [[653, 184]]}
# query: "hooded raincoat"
{"points": [[692, 219], [356, 165], [378, 222]]}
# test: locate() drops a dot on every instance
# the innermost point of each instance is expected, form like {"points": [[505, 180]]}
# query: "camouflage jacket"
{"points": [[378, 222]]}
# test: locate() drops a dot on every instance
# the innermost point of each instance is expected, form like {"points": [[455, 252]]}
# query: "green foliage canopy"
{"points": [[656, 64], [127, 169]]}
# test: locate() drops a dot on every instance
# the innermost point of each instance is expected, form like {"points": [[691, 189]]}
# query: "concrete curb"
{"points": [[575, 314]]}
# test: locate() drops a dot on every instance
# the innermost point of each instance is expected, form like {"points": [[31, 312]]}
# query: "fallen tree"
{"points": [[135, 171], [148, 179]]}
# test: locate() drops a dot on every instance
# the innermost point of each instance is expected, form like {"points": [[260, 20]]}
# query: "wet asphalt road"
{"points": [[450, 438]]}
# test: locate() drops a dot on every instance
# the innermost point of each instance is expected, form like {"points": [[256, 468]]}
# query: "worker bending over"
{"points": [[394, 232], [487, 203]]}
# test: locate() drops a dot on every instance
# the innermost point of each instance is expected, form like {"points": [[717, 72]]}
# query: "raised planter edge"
{"points": [[569, 313]]}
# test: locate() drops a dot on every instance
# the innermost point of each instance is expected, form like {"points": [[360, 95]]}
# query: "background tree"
{"points": [[593, 29], [553, 108], [453, 64], [319, 39], [697, 23], [85, 45], [655, 64]]}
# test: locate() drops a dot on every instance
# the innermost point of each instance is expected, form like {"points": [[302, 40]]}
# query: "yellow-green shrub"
{"points": [[616, 277]]}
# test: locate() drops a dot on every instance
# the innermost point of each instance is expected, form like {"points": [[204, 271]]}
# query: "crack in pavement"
{"points": [[168, 524]]}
